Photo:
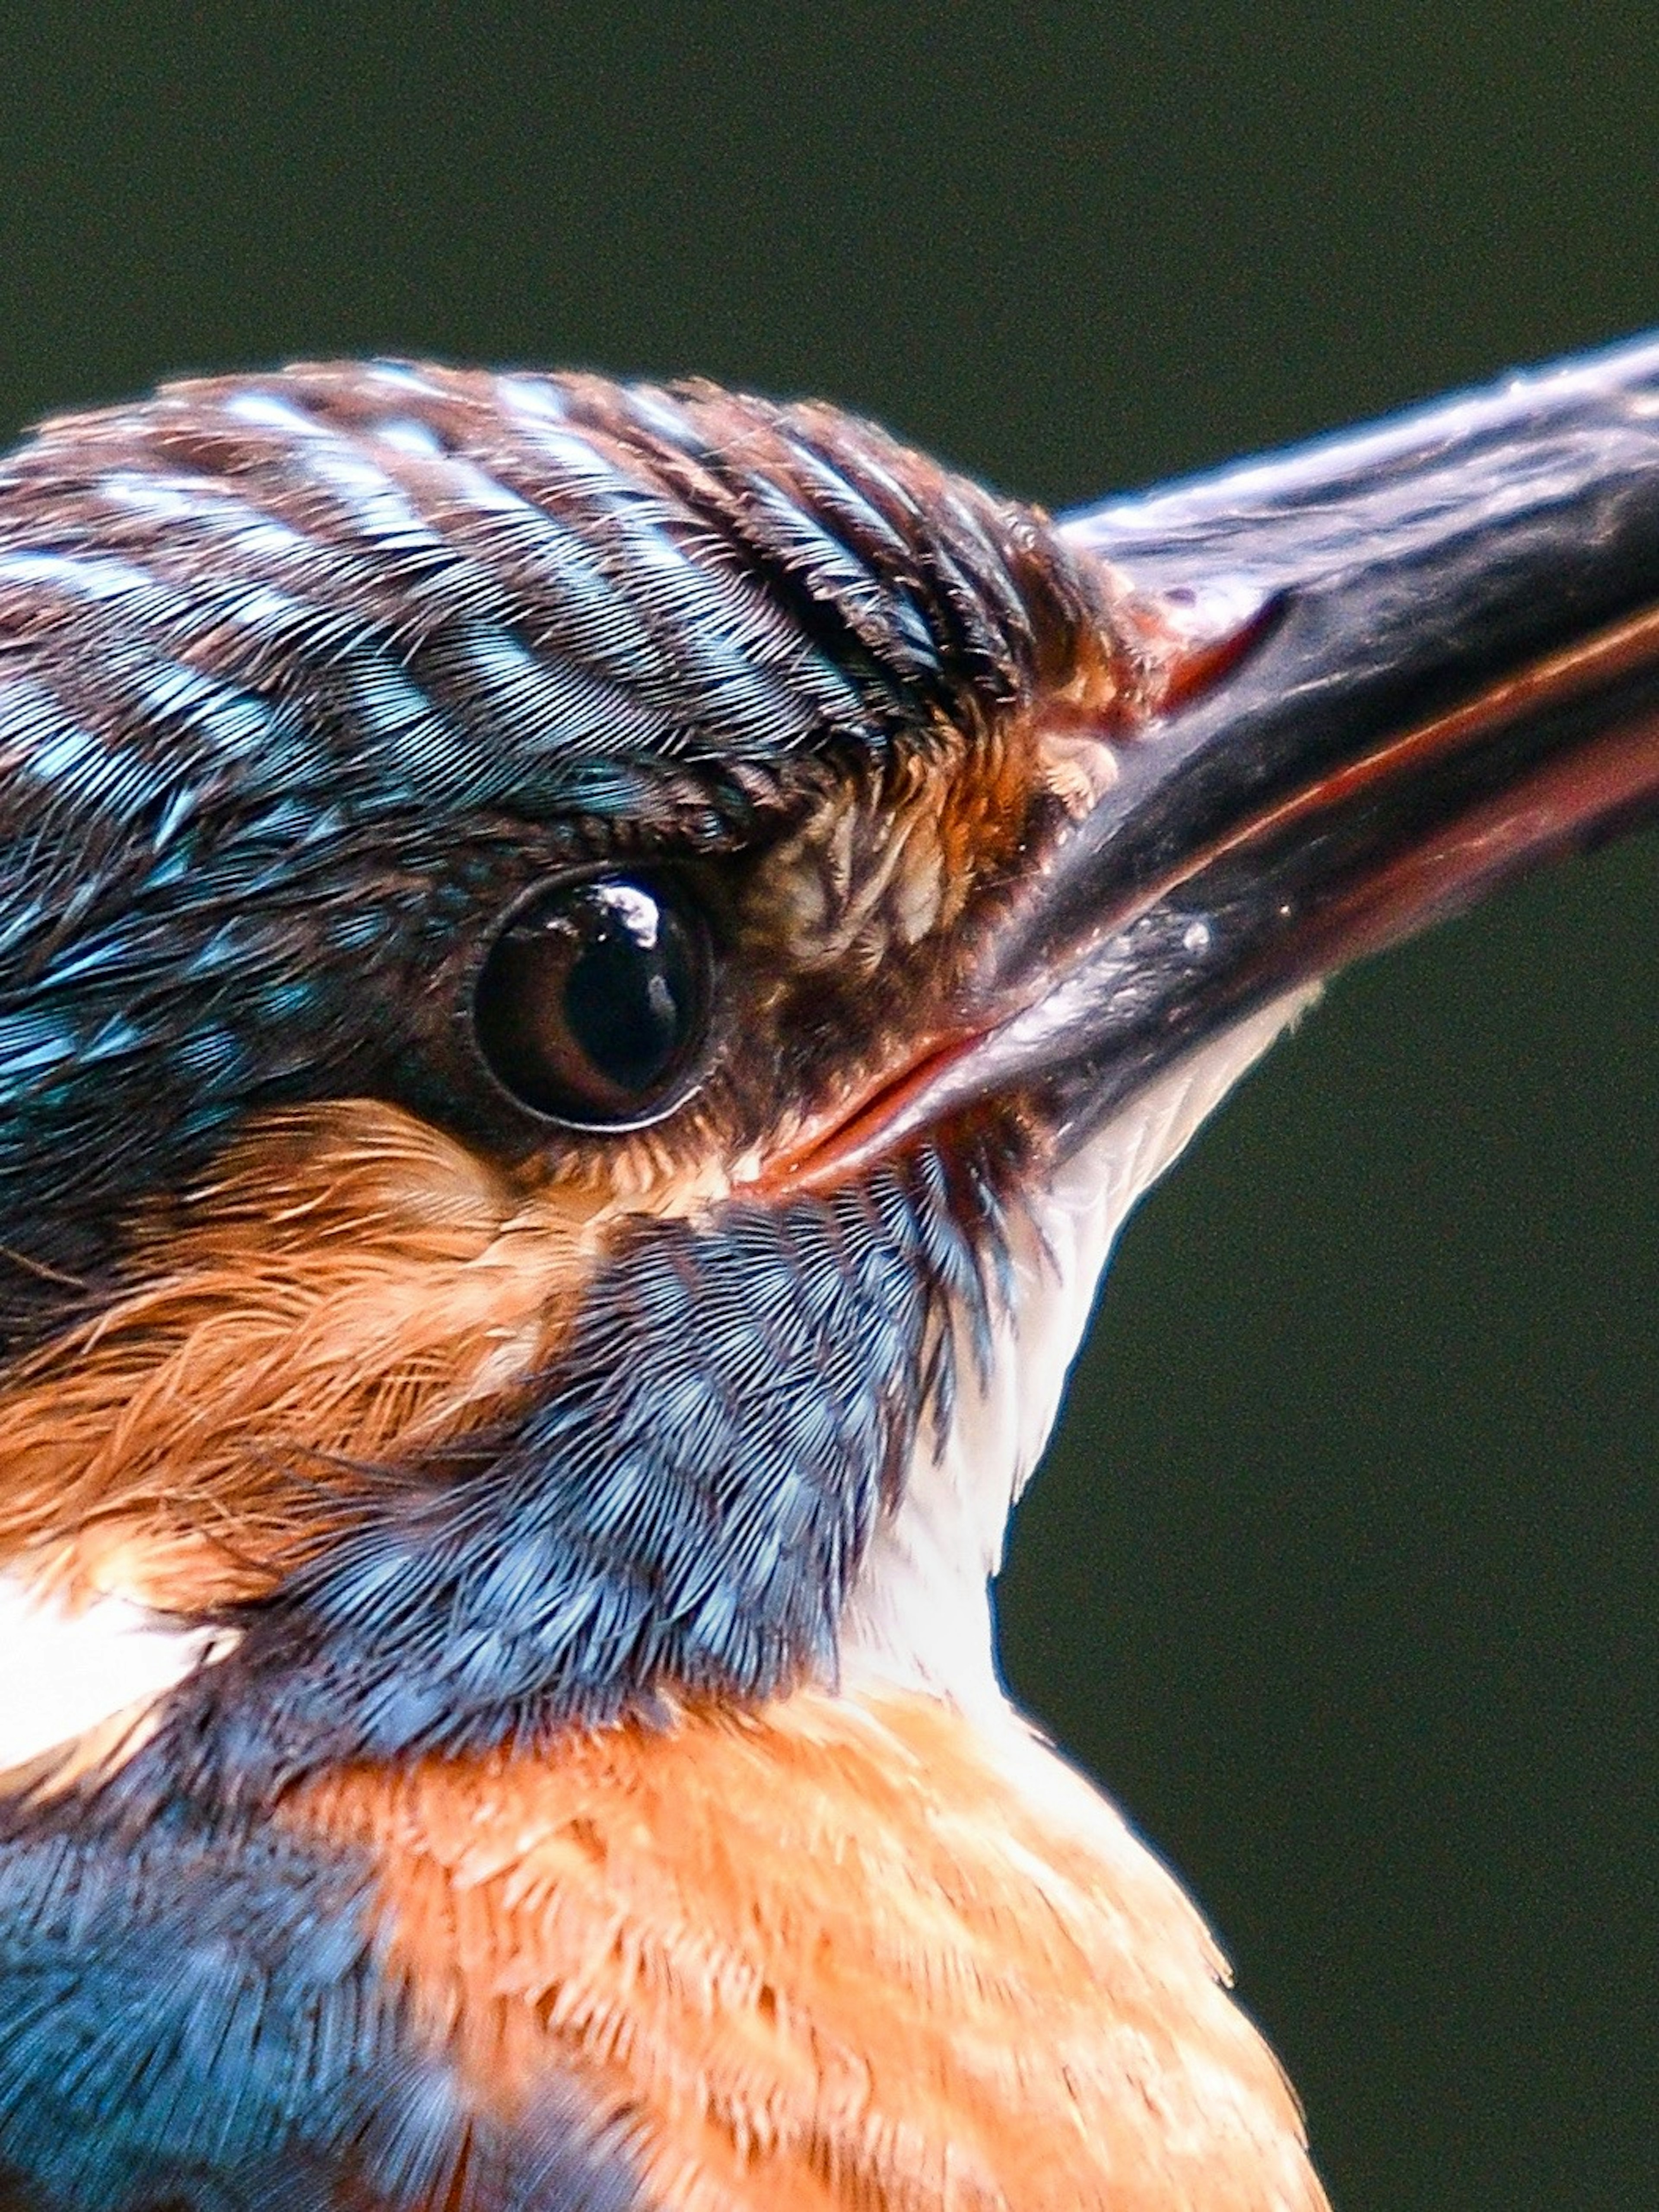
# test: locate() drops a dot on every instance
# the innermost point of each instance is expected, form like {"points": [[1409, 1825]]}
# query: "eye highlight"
{"points": [[593, 1006]]}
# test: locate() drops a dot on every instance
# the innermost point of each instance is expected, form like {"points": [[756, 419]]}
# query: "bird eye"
{"points": [[593, 1001]]}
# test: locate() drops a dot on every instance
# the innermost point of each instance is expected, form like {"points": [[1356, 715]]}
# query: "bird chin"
{"points": [[919, 1614]]}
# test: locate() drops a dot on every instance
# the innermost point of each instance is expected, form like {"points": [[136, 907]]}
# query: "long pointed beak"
{"points": [[1438, 642]]}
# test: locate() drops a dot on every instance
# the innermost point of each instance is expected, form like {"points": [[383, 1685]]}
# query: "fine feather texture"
{"points": [[919, 1613], [683, 1501], [305, 677], [349, 1289], [82, 1674], [546, 1829], [199, 2019], [830, 1952]]}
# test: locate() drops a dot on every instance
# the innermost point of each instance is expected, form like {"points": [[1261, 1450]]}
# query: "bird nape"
{"points": [[586, 976]]}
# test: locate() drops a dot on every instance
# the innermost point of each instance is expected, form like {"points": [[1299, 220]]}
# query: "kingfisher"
{"points": [[588, 974]]}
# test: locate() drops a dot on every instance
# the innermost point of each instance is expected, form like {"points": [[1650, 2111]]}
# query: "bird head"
{"points": [[587, 975]]}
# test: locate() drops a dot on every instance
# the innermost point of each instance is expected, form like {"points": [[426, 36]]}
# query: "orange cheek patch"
{"points": [[830, 1953], [888, 861], [353, 1288]]}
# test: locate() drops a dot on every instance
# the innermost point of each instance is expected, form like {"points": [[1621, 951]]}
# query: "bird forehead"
{"points": [[469, 590]]}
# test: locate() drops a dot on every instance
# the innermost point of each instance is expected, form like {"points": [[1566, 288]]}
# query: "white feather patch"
{"points": [[919, 1614], [67, 1670]]}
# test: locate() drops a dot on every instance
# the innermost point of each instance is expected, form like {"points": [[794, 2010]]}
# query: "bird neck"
{"points": [[920, 1613]]}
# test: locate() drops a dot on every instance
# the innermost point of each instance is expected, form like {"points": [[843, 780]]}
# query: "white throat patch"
{"points": [[919, 1614]]}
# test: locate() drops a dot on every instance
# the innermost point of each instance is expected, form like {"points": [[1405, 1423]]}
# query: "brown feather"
{"points": [[834, 1953], [352, 1289]]}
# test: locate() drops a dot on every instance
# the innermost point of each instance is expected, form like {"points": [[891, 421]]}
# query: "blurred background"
{"points": [[1343, 1572]]}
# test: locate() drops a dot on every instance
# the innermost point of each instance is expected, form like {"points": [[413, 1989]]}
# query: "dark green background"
{"points": [[1343, 1574]]}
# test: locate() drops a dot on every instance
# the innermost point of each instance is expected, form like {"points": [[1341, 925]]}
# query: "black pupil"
{"points": [[626, 989], [593, 999]]}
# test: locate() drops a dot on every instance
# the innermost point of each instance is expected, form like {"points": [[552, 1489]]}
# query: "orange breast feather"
{"points": [[835, 1952]]}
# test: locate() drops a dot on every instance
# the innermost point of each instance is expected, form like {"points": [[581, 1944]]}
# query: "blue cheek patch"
{"points": [[683, 1508]]}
